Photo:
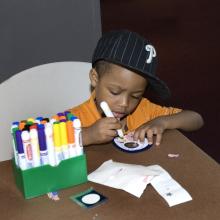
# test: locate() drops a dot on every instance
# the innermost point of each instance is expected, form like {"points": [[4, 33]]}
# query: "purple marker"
{"points": [[43, 145], [21, 156], [66, 113], [60, 114]]}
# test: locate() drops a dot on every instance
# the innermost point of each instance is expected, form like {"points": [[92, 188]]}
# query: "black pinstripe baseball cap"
{"points": [[130, 50]]}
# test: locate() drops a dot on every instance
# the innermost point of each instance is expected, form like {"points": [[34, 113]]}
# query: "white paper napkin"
{"points": [[131, 178], [134, 179]]}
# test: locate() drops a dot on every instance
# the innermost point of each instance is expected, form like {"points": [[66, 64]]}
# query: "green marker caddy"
{"points": [[41, 180]]}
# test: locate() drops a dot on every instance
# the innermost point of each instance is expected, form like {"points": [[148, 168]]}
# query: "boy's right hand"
{"points": [[102, 131]]}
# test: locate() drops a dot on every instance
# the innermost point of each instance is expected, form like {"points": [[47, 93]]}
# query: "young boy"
{"points": [[124, 65]]}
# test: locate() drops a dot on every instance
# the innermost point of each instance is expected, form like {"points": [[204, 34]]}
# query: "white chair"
{"points": [[40, 91]]}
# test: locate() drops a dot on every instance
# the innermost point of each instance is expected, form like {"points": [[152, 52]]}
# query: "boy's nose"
{"points": [[124, 101]]}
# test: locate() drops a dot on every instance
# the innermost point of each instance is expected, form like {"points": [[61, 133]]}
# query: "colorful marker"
{"points": [[105, 107], [35, 146], [71, 139], [30, 120], [63, 139], [21, 156], [78, 136], [43, 145], [57, 143], [38, 120], [25, 136], [50, 144]]}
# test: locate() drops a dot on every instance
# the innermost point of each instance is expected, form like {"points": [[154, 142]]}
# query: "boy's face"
{"points": [[121, 88]]}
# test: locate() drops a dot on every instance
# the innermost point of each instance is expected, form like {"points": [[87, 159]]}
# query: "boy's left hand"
{"points": [[154, 127]]}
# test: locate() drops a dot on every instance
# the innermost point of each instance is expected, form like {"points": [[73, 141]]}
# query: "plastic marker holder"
{"points": [[39, 166], [105, 107], [44, 179]]}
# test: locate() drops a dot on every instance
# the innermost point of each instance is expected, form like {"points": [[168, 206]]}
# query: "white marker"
{"points": [[105, 107], [78, 136], [25, 136], [35, 147], [50, 144]]}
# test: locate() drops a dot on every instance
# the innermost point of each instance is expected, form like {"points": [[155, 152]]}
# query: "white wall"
{"points": [[33, 33]]}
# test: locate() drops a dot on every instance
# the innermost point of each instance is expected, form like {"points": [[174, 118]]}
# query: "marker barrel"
{"points": [[57, 143], [43, 145], [35, 147], [71, 139], [78, 136], [50, 144], [25, 136], [106, 109], [21, 156]]}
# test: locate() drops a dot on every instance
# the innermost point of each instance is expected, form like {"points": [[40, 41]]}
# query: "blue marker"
{"points": [[72, 118], [38, 120], [43, 145], [21, 155], [15, 123]]}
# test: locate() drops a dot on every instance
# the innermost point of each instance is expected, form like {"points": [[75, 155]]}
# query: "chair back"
{"points": [[40, 91]]}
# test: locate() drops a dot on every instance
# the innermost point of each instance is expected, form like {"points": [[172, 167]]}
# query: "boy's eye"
{"points": [[114, 93], [136, 97]]}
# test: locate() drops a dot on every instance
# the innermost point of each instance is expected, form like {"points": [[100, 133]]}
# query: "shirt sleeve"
{"points": [[146, 111]]}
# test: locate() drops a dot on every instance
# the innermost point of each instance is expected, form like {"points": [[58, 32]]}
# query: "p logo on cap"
{"points": [[152, 53]]}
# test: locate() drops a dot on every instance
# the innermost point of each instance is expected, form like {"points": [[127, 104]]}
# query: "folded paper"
{"points": [[134, 179]]}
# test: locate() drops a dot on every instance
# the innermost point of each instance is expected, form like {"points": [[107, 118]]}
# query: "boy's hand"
{"points": [[102, 131], [149, 129]]}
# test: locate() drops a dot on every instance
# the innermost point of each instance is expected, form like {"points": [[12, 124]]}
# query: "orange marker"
{"points": [[71, 139], [62, 117], [21, 125], [56, 117]]}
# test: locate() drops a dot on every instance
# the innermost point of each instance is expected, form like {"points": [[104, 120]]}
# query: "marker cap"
{"points": [[77, 123]]}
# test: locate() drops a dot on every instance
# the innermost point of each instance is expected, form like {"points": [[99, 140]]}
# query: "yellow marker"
{"points": [[63, 138], [57, 143], [31, 120]]}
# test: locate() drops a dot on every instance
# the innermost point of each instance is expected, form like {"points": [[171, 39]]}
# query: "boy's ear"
{"points": [[94, 78]]}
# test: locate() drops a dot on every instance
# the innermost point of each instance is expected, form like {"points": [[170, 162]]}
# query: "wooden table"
{"points": [[193, 169]]}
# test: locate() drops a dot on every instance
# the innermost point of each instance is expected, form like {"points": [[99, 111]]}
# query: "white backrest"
{"points": [[40, 91]]}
